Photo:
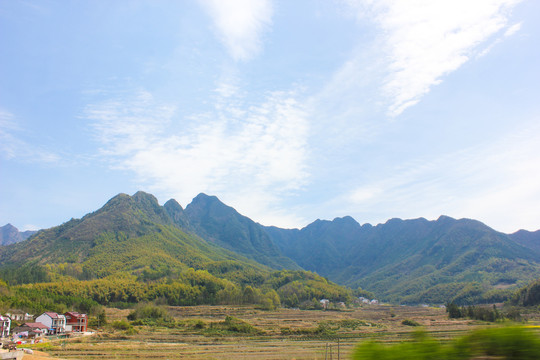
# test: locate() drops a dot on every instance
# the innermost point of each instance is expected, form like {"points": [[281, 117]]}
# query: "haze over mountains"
{"points": [[409, 261]]}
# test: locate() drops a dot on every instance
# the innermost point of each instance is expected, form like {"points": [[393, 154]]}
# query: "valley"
{"points": [[207, 282], [273, 339]]}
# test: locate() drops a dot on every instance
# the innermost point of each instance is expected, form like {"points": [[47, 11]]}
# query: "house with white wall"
{"points": [[19, 315], [56, 323], [5, 323]]}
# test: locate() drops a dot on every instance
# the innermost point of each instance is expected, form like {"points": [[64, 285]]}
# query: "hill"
{"points": [[528, 295], [129, 234], [132, 249], [221, 224], [9, 234], [529, 239]]}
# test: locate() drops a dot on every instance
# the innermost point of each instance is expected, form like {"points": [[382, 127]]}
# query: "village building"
{"points": [[76, 322], [19, 315], [324, 303], [5, 324], [56, 323], [30, 330]]}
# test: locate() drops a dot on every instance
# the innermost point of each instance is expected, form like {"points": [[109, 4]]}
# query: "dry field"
{"points": [[282, 334]]}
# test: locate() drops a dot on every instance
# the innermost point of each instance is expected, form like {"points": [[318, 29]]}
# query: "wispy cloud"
{"points": [[238, 152], [498, 183], [13, 146], [240, 24], [424, 40]]}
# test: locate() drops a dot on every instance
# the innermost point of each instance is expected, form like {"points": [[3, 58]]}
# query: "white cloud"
{"points": [[240, 24], [424, 40], [237, 152], [13, 146], [8, 143], [512, 30], [365, 193]]}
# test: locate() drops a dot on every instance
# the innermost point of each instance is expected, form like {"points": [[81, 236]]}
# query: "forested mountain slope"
{"points": [[129, 234], [214, 221], [529, 239], [133, 249], [413, 260]]}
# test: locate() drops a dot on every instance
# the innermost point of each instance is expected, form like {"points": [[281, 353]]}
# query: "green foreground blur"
{"points": [[497, 343]]}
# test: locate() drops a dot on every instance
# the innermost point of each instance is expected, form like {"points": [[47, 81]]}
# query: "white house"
{"points": [[56, 323], [19, 315], [324, 303], [5, 323]]}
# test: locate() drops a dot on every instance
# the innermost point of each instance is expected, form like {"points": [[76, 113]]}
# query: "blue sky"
{"points": [[288, 111]]}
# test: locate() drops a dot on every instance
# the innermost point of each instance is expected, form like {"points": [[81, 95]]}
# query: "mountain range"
{"points": [[407, 261]]}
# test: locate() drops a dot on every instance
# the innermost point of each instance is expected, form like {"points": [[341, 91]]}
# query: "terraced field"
{"points": [[282, 334]]}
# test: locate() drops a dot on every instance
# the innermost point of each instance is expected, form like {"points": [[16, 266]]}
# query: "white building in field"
{"points": [[56, 323], [324, 303]]}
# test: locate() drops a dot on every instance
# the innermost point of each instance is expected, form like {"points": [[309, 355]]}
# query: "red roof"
{"points": [[35, 325], [75, 314], [51, 314]]}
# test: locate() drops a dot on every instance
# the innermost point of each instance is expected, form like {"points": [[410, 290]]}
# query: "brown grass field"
{"points": [[281, 334]]}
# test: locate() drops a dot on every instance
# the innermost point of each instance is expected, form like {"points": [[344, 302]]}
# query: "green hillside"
{"points": [[132, 250], [528, 295], [414, 261], [221, 224], [129, 235], [149, 246]]}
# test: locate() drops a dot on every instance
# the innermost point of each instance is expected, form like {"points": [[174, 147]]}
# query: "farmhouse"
{"points": [[76, 322], [324, 303], [56, 323], [30, 330], [19, 315]]}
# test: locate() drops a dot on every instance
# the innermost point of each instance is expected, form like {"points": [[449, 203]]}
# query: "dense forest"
{"points": [[191, 287]]}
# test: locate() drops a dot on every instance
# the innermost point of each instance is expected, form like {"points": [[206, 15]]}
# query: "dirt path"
{"points": [[39, 355]]}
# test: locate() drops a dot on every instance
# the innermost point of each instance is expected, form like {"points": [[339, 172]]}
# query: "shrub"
{"points": [[231, 325], [409, 322], [199, 324], [483, 313], [237, 325], [121, 325], [149, 314]]}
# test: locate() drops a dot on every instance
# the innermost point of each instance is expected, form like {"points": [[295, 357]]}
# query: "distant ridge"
{"points": [[414, 260], [9, 234], [529, 239]]}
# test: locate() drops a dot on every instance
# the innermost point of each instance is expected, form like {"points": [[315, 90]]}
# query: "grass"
{"points": [[244, 332]]}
